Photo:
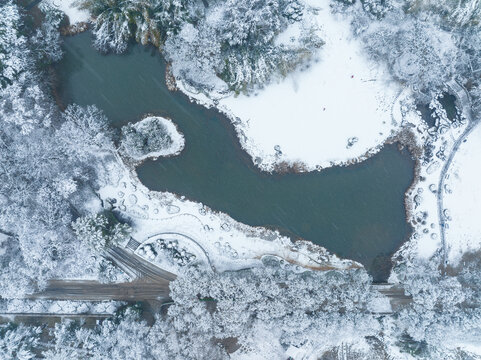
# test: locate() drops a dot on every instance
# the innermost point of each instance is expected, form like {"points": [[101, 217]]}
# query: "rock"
{"points": [[433, 167], [351, 141], [418, 200], [278, 151], [443, 129], [447, 214], [172, 209], [132, 199]]}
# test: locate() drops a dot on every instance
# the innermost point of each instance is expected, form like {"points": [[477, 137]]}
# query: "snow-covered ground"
{"points": [[463, 198], [342, 98], [218, 241], [75, 15], [424, 198]]}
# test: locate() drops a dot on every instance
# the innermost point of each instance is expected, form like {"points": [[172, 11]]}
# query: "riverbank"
{"points": [[424, 200], [338, 108], [217, 240], [355, 211]]}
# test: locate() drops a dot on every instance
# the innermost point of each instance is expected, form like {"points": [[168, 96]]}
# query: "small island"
{"points": [[152, 137]]}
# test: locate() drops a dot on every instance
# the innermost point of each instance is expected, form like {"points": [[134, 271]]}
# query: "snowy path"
{"points": [[465, 100]]}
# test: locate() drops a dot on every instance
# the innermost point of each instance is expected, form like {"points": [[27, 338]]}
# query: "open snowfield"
{"points": [[74, 14], [312, 114], [463, 199]]}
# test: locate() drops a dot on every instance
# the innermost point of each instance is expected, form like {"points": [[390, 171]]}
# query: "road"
{"points": [[152, 283], [84, 290], [396, 295], [136, 267]]}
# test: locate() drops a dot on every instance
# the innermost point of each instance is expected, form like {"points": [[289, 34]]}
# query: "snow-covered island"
{"points": [[152, 137], [307, 84]]}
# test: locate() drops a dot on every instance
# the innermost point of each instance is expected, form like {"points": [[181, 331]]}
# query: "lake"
{"points": [[356, 212]]}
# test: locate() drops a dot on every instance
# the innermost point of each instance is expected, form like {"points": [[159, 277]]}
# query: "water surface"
{"points": [[357, 211]]}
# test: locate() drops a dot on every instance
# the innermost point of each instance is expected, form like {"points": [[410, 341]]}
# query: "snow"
{"points": [[463, 198], [380, 305], [423, 197], [311, 115], [218, 241], [74, 14], [290, 35]]}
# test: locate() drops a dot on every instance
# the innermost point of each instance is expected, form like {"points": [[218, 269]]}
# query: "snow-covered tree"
{"points": [[418, 53], [148, 21], [18, 342], [100, 231], [296, 308], [13, 59], [49, 162], [234, 45], [225, 45], [46, 42]]}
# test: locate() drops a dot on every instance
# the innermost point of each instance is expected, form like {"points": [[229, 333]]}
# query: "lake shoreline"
{"points": [[207, 123]]}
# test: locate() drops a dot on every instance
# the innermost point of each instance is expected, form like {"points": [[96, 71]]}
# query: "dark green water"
{"points": [[357, 212]]}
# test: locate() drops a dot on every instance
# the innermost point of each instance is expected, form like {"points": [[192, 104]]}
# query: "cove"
{"points": [[356, 212]]}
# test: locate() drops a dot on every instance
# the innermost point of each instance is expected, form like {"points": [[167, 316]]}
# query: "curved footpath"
{"points": [[465, 102]]}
